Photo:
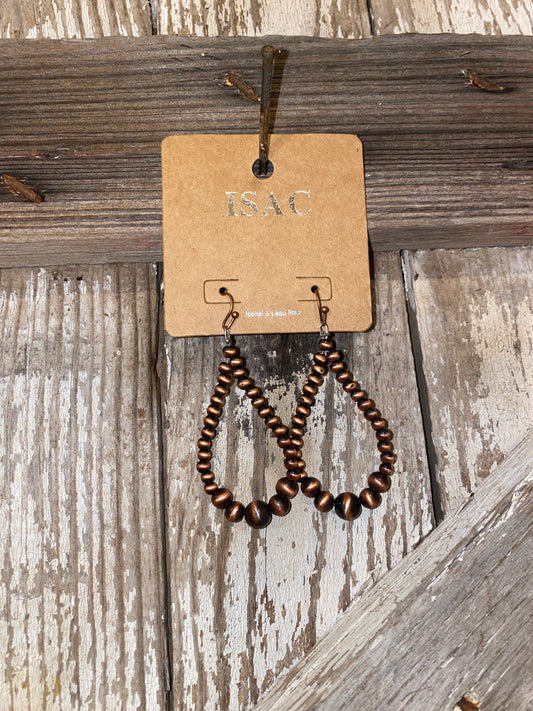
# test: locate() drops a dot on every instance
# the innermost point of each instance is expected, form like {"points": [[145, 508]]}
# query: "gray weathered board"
{"points": [[446, 164], [100, 665]]}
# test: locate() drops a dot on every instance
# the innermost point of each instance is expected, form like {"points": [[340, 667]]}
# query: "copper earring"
{"points": [[258, 514]]}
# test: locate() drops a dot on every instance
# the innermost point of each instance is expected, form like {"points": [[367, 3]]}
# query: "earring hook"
{"points": [[322, 312], [231, 316]]}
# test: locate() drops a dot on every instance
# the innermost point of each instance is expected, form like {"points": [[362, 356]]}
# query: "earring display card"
{"points": [[267, 241]]}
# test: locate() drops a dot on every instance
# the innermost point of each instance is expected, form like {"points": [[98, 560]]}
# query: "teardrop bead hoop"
{"points": [[258, 514]]}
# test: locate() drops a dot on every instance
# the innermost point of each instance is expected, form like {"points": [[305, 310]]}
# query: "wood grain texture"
{"points": [[474, 311], [453, 617], [81, 604], [81, 589], [75, 19], [82, 123], [486, 18], [247, 605], [320, 18]]}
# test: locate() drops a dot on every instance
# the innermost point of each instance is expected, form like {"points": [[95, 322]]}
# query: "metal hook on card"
{"points": [[263, 168], [231, 316], [322, 312]]}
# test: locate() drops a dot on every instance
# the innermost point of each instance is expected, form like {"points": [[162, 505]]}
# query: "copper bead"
{"points": [[320, 358], [234, 512], [258, 514], [347, 506], [210, 487], [231, 351], [279, 505], [326, 344], [370, 499], [379, 482], [386, 468], [287, 488], [221, 498], [310, 486], [324, 501]]}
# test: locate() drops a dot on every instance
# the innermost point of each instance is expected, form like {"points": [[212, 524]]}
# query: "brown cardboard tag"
{"points": [[268, 241]]}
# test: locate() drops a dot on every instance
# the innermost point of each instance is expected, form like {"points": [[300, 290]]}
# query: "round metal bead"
{"points": [[379, 482], [207, 477], [384, 435], [224, 379], [310, 389], [315, 379], [295, 475], [217, 400], [338, 367], [344, 377], [319, 369], [234, 512], [366, 404], [237, 362], [387, 457], [385, 447], [284, 441], [272, 422], [380, 424], [280, 431], [279, 505], [254, 392], [204, 444], [334, 356], [370, 499], [203, 467], [386, 468], [372, 414], [347, 506], [258, 402], [303, 410], [231, 351], [324, 501], [297, 432], [326, 344], [298, 421], [310, 486], [350, 387], [307, 400], [211, 487], [205, 455], [221, 390], [221, 498], [301, 465], [292, 452], [245, 383], [211, 421], [208, 433], [320, 358], [297, 442], [214, 410], [225, 368], [265, 412], [239, 373], [291, 464], [287, 488], [358, 395], [258, 514]]}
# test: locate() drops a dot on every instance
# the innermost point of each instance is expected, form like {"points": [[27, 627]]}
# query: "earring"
{"points": [[348, 505], [257, 514]]}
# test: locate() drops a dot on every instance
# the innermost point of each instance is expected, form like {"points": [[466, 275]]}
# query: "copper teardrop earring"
{"points": [[257, 514], [348, 505]]}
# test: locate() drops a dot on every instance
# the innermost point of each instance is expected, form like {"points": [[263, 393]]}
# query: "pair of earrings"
{"points": [[258, 514]]}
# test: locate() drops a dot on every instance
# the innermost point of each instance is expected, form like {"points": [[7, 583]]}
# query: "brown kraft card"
{"points": [[267, 241]]}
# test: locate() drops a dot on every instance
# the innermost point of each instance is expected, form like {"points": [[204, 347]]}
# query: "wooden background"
{"points": [[121, 587]]}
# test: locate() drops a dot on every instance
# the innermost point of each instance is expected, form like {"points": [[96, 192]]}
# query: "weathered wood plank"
{"points": [[474, 313], [451, 171], [81, 602], [319, 18], [245, 605], [453, 617]]}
